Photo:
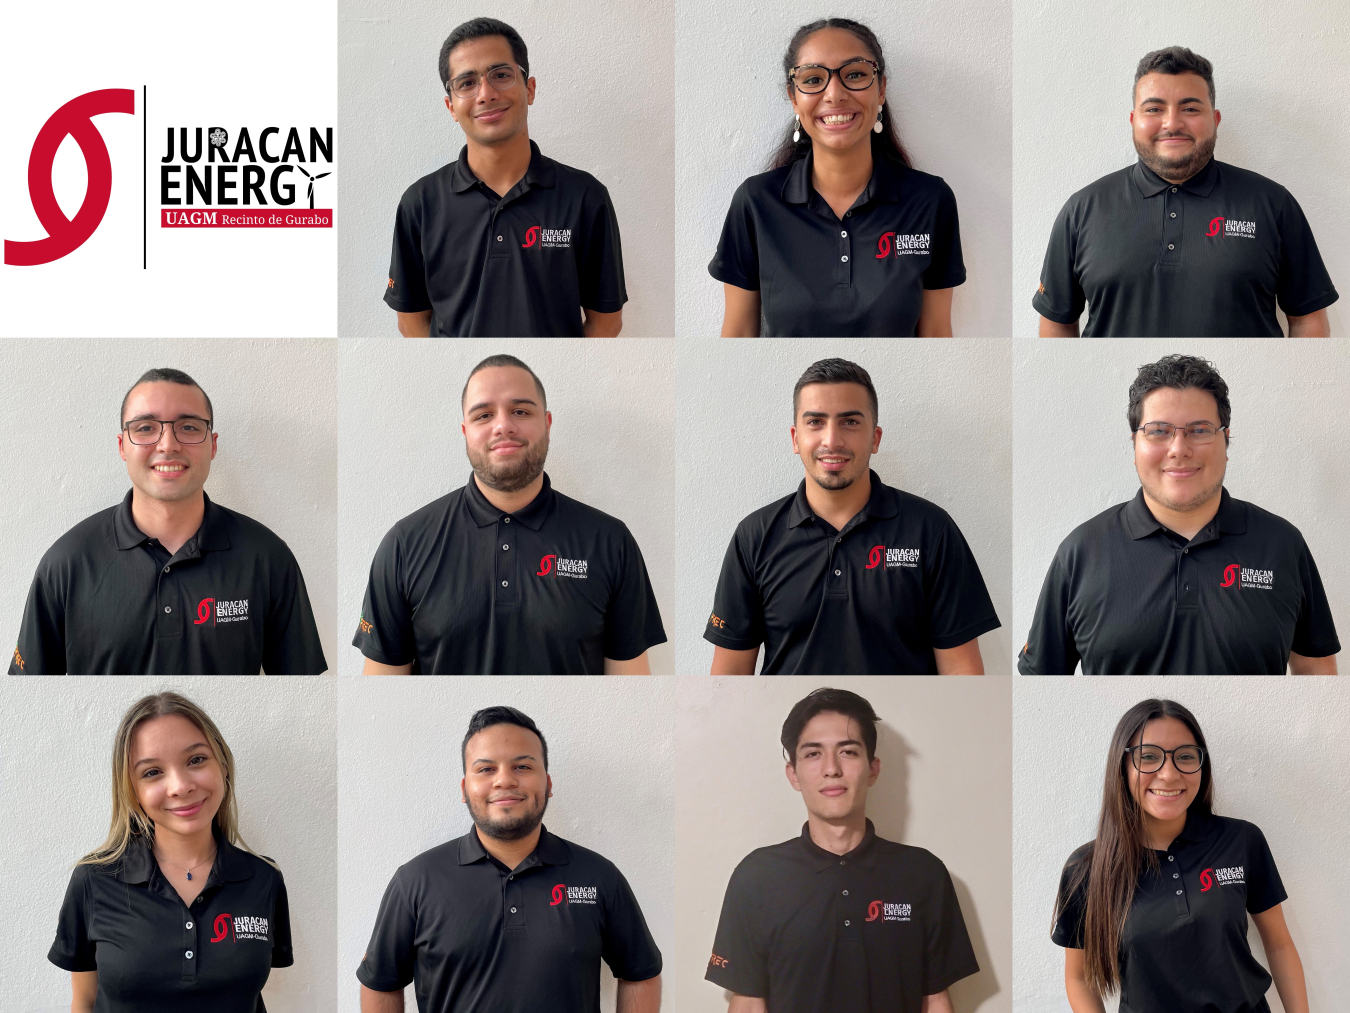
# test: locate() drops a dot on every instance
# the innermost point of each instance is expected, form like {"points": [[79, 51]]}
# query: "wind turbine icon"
{"points": [[311, 182]]}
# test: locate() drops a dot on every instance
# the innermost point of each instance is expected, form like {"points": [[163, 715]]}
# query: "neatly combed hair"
{"points": [[1179, 372], [493, 361], [489, 716], [838, 701], [481, 28], [835, 371], [1174, 60], [166, 375]]}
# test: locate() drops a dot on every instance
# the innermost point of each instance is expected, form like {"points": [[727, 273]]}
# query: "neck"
{"points": [[169, 523], [838, 506], [510, 502], [501, 166], [846, 172], [511, 853], [186, 850], [839, 836], [1162, 833], [1186, 523]]}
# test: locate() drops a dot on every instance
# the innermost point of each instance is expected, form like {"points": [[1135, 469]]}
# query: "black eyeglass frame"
{"points": [[829, 73], [525, 76], [126, 428], [1134, 757], [1174, 428]]}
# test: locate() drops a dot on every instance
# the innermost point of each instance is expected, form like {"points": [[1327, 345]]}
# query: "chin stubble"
{"points": [[1178, 168]]}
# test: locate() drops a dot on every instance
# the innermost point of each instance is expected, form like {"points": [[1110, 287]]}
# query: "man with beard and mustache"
{"points": [[506, 575], [847, 575], [1183, 579], [508, 917], [1181, 244]]}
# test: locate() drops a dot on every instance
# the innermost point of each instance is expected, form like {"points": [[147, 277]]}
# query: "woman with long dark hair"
{"points": [[1156, 906], [842, 236], [172, 912]]}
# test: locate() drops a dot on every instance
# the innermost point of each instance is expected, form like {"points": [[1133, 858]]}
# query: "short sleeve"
{"points": [[41, 648], [73, 950], [945, 268], [291, 638], [1264, 887], [740, 954], [1050, 648], [1315, 630], [384, 632], [632, 620], [1304, 285], [406, 290], [948, 955], [737, 619], [601, 260], [1060, 297], [391, 956], [282, 954], [959, 605], [627, 945], [1070, 906], [736, 261]]}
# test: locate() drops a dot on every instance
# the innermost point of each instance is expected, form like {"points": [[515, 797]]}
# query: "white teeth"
{"points": [[837, 118], [168, 467]]}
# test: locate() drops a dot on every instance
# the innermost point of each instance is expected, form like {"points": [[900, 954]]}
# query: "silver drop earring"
{"points": [[797, 133], [876, 127]]}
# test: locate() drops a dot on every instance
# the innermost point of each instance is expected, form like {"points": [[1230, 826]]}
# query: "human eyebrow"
{"points": [[151, 759], [466, 73]]}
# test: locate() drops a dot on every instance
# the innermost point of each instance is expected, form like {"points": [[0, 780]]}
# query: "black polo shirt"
{"points": [[818, 276], [473, 935], [461, 588], [1209, 257], [871, 931], [109, 600], [1184, 947], [1127, 596], [522, 265], [155, 954], [872, 599]]}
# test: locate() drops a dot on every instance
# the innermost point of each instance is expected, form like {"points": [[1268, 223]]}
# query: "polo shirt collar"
{"points": [[532, 515], [210, 537], [881, 502], [540, 173], [1139, 520], [549, 851], [885, 184], [1150, 184], [137, 863], [1199, 826], [821, 859]]}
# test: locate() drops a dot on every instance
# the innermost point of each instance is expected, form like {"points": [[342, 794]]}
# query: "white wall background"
{"points": [[944, 746], [1281, 80], [603, 104], [55, 750], [946, 436], [275, 404], [1073, 457], [612, 446], [950, 70], [610, 756], [1280, 760]]}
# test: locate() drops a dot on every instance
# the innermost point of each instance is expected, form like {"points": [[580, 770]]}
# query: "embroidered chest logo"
{"points": [[215, 611], [235, 927], [878, 554], [888, 912], [564, 894], [904, 244], [1233, 875], [557, 239], [557, 566], [1232, 228], [1247, 577]]}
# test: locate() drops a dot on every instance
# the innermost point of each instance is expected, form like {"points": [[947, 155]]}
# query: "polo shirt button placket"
{"points": [[507, 575], [844, 273], [1173, 223]]}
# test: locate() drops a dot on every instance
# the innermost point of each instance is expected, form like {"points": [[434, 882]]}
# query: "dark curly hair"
{"points": [[1175, 60], [1180, 372]]}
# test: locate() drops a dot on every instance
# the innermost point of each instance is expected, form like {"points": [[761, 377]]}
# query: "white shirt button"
{"points": [[189, 925], [844, 259], [843, 235], [845, 893], [838, 572], [1170, 246], [1176, 875], [847, 923], [1178, 893], [513, 910], [505, 546], [188, 954], [168, 608], [166, 569], [504, 583], [499, 239], [1174, 214], [506, 520], [1174, 189]]}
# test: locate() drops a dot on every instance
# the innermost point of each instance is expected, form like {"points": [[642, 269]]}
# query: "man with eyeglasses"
{"points": [[503, 242], [1183, 579], [168, 582]]}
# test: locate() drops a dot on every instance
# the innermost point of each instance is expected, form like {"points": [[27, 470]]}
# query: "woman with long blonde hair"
{"points": [[172, 912]]}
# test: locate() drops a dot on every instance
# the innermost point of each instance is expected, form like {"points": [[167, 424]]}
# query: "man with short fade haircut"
{"points": [[1183, 579], [507, 576], [508, 918], [168, 582], [503, 242], [847, 574], [838, 919], [1181, 244]]}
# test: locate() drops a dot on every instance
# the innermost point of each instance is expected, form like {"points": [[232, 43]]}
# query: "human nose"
{"points": [[168, 439], [830, 766], [835, 90]]}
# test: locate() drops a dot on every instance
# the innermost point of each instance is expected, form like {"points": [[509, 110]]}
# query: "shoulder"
{"points": [[577, 515], [1092, 533], [1112, 185], [1232, 827], [90, 535], [1079, 856], [260, 865], [418, 870], [762, 187], [756, 524], [917, 508], [913, 859], [432, 517], [430, 188], [1233, 175], [578, 180], [587, 862], [1270, 525], [765, 865], [923, 183], [258, 535]]}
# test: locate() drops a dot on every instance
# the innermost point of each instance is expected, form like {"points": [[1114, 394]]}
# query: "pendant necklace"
{"points": [[186, 869]]}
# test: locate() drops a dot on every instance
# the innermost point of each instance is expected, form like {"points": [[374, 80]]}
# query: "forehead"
{"points": [[165, 400], [833, 398], [1166, 404], [1166, 732], [169, 732], [1172, 87], [830, 726], [500, 383], [479, 54], [497, 742], [831, 46]]}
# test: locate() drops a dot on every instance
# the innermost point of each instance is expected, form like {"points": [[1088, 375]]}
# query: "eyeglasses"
{"points": [[812, 78], [145, 432], [501, 78], [1150, 759], [1162, 432]]}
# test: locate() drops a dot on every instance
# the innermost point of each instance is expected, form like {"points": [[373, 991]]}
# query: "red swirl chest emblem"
{"points": [[531, 236], [223, 927], [874, 555], [546, 565], [884, 245], [1230, 573], [559, 895], [874, 911], [1215, 225], [1206, 880], [203, 611]]}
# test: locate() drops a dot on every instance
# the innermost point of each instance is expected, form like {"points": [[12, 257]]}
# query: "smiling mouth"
{"points": [[1166, 792], [169, 469], [188, 810], [837, 119]]}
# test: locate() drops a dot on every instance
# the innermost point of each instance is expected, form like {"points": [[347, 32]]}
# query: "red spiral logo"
{"points": [[1230, 573], [1206, 880], [1215, 224], [884, 245], [223, 926], [874, 911], [203, 611], [559, 895], [874, 555], [546, 565], [531, 236]]}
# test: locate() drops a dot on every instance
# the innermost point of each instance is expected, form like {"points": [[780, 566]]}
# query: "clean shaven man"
{"points": [[508, 918], [1181, 244], [1183, 579], [503, 242], [167, 582], [847, 574], [506, 575], [838, 919]]}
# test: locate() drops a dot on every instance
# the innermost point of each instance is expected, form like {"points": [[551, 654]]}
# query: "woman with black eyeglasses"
{"points": [[842, 236], [1156, 906]]}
